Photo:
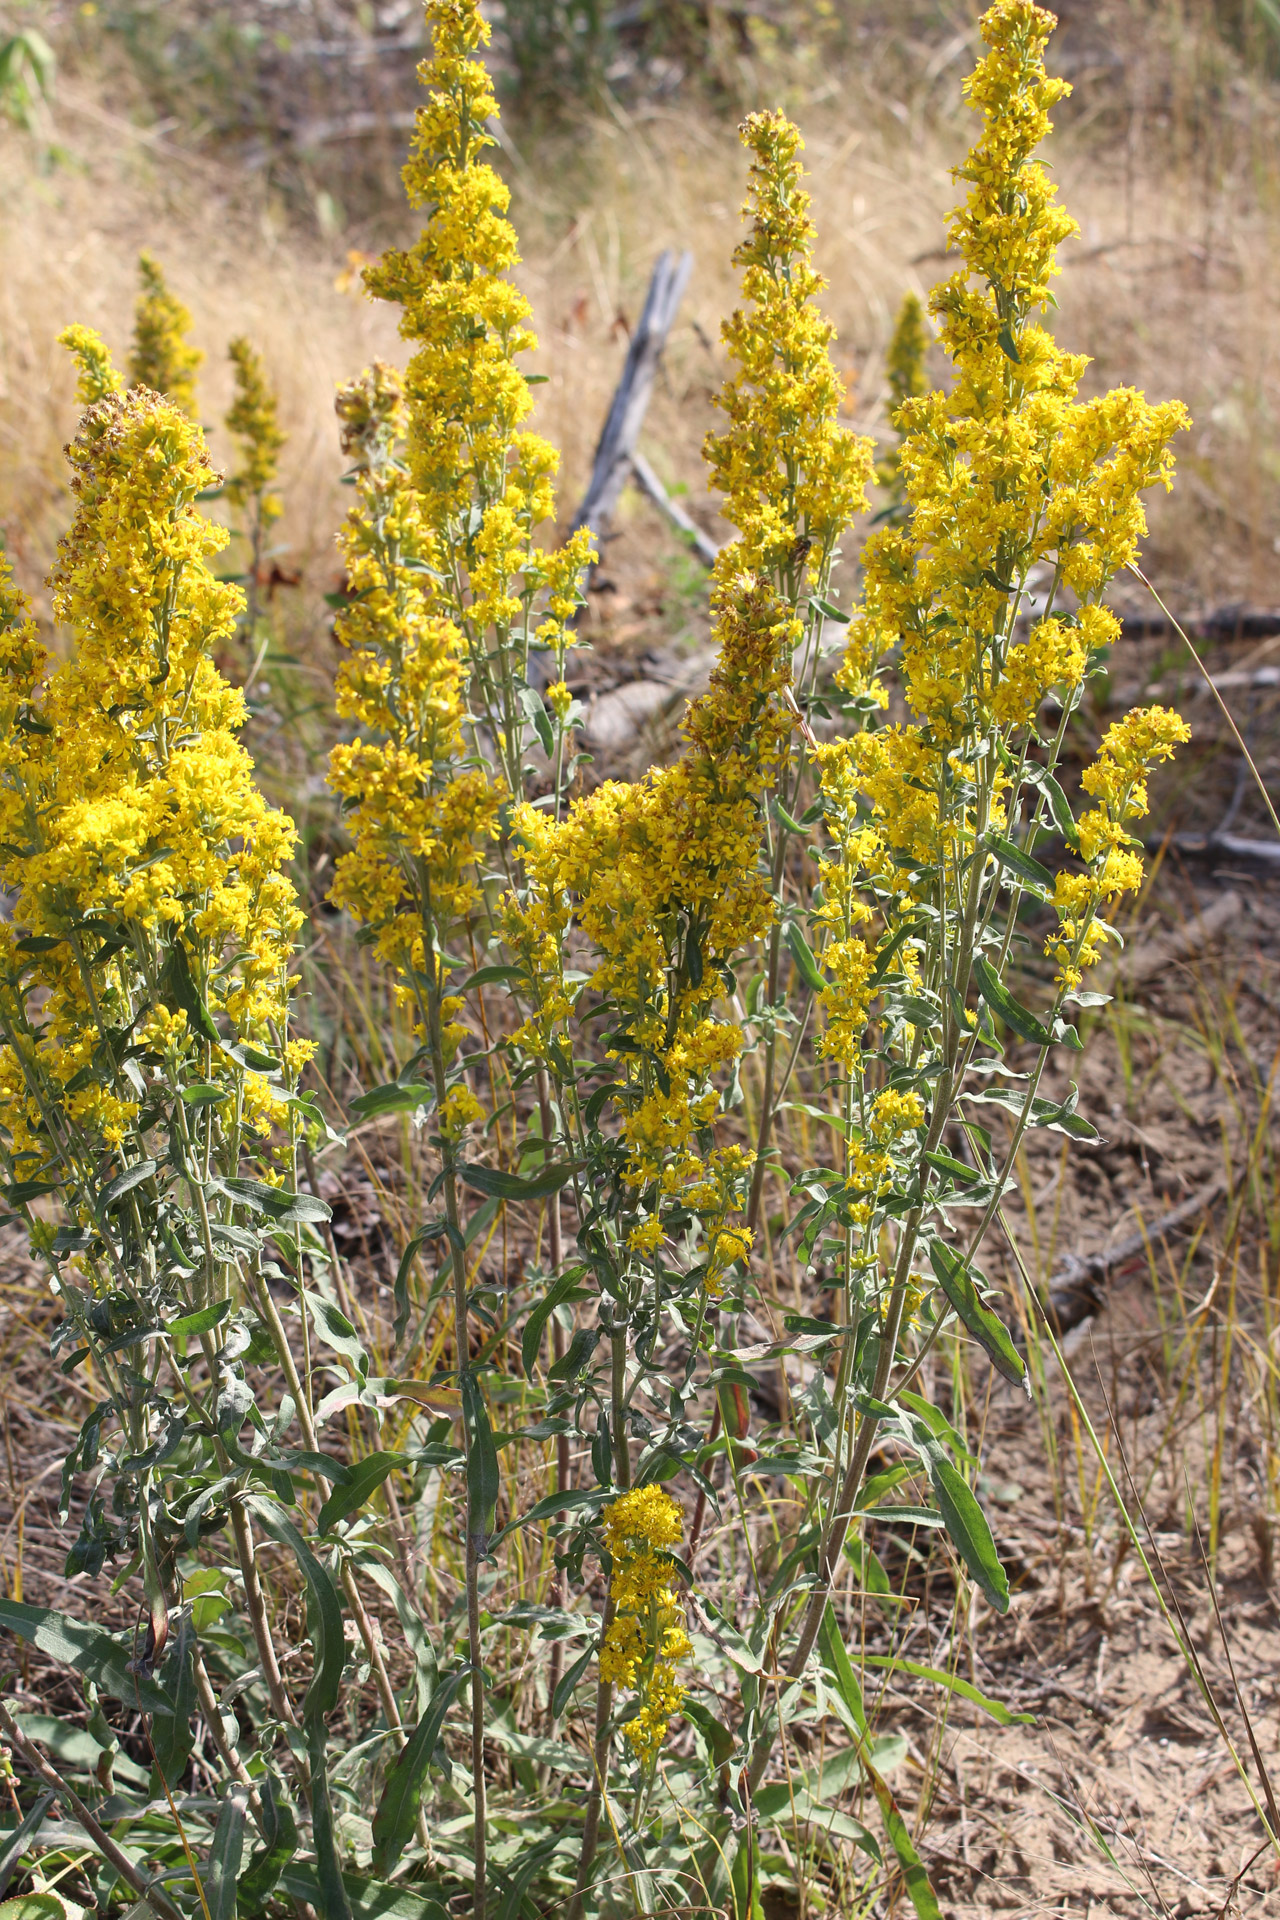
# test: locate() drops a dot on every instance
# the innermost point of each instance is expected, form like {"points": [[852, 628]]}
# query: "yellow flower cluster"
{"points": [[792, 476], [665, 879], [253, 417], [466, 396], [665, 876], [163, 358], [1007, 471], [95, 375], [417, 816], [150, 883], [646, 1639], [908, 379], [1118, 781]]}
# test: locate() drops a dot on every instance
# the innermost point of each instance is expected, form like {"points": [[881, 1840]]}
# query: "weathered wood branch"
{"points": [[616, 449], [650, 485]]}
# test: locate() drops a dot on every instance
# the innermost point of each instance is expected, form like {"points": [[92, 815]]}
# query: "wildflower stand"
{"points": [[617, 1002]]}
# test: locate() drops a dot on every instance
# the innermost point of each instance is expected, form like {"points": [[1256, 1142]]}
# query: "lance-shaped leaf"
{"points": [[397, 1812], [1002, 1002], [100, 1656], [222, 1870], [398, 1096], [531, 1338], [966, 1523], [334, 1328], [279, 1844], [1015, 860], [173, 1734], [802, 953], [518, 1186], [483, 1482], [959, 1283], [324, 1610], [14, 1844], [362, 1479]]}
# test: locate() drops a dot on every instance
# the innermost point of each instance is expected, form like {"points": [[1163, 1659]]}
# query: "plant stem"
{"points": [[462, 1343], [146, 1889], [604, 1688]]}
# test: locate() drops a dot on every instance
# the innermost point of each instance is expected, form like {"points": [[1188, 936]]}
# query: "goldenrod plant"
{"points": [[613, 1001], [907, 374], [253, 421], [163, 357]]}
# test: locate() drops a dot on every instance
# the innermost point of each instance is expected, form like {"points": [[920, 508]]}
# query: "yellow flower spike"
{"points": [[253, 418], [1130, 748], [416, 818], [790, 472], [468, 450], [132, 802], [163, 358], [646, 1639], [905, 371], [1004, 473], [97, 377]]}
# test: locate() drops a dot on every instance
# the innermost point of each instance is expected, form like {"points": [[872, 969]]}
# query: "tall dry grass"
{"points": [[1167, 155]]}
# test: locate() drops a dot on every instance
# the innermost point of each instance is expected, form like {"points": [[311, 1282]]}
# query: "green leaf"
{"points": [[34, 1906], [568, 1681], [490, 977], [277, 1203], [173, 1734], [362, 1479], [836, 1659], [324, 1612], [397, 1096], [830, 612], [98, 1655], [1002, 1002], [363, 1898], [518, 1186], [203, 1093], [397, 1810], [954, 1684], [554, 1504], [13, 1844], [802, 954], [125, 1182], [913, 1007], [222, 1870], [959, 1283], [1008, 345], [279, 1844], [919, 1891], [177, 982], [1060, 807], [434, 1230], [483, 1478], [967, 1526], [333, 1327], [531, 1338], [947, 1163], [193, 1324], [76, 1748], [1012, 857]]}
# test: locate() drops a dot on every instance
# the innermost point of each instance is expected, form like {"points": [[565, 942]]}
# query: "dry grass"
{"points": [[1166, 156]]}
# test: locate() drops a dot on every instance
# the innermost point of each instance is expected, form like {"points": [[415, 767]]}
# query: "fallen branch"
{"points": [[616, 449], [1075, 1292], [1140, 963], [1232, 846], [650, 485]]}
